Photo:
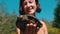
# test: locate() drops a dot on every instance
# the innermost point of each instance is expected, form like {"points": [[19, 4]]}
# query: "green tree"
{"points": [[57, 15], [7, 21]]}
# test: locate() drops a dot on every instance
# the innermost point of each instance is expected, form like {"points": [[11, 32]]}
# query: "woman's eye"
{"points": [[25, 3], [30, 1]]}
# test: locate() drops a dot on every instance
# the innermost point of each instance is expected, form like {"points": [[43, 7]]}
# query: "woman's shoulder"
{"points": [[42, 22], [44, 25]]}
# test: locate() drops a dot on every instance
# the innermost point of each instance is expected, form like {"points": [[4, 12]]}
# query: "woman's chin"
{"points": [[30, 13]]}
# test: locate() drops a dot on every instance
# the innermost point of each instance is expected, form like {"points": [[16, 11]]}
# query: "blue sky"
{"points": [[47, 7]]}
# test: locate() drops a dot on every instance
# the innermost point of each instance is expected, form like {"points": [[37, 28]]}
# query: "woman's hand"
{"points": [[31, 28]]}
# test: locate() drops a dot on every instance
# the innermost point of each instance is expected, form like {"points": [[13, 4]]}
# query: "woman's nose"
{"points": [[28, 5]]}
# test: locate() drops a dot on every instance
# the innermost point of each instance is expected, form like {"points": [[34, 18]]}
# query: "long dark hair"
{"points": [[21, 10]]}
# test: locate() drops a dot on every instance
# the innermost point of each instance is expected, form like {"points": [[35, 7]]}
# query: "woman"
{"points": [[30, 7]]}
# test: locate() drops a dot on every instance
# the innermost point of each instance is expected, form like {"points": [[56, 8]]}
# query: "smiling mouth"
{"points": [[29, 9]]}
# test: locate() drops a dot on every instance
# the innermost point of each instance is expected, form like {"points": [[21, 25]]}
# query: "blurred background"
{"points": [[50, 14]]}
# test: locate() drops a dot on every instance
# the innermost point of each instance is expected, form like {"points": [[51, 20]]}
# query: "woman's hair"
{"points": [[21, 10]]}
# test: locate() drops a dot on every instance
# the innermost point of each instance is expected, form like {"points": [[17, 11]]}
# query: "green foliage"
{"points": [[52, 30], [7, 25], [57, 17], [7, 21]]}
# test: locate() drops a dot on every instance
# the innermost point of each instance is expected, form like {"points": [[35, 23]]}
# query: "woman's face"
{"points": [[29, 6]]}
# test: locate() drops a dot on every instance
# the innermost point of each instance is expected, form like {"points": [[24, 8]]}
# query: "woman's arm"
{"points": [[43, 29], [17, 30]]}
